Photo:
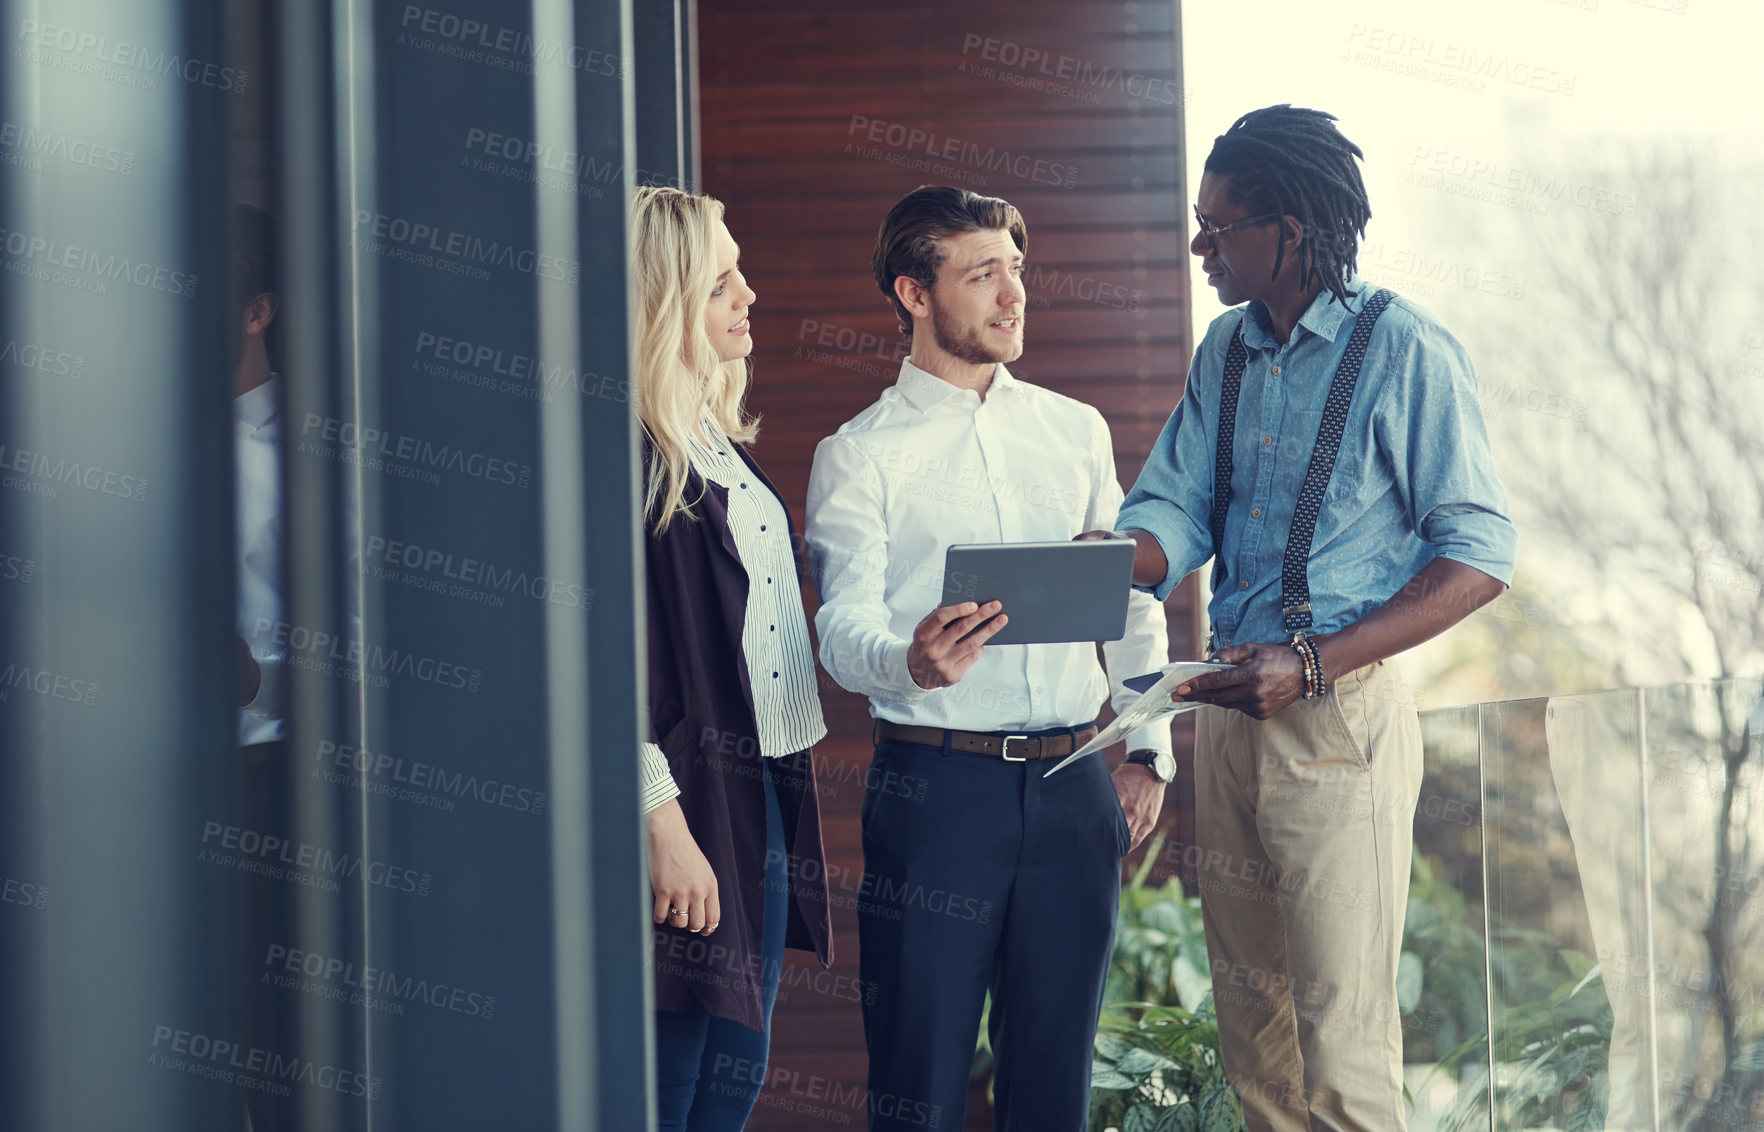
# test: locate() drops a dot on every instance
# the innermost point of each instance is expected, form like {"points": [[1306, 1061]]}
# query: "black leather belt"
{"points": [[1011, 748]]}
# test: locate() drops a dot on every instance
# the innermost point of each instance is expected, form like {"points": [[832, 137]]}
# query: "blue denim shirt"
{"points": [[1414, 479]]}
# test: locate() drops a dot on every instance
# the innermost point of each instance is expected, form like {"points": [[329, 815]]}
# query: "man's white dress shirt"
{"points": [[257, 452], [774, 635], [929, 465]]}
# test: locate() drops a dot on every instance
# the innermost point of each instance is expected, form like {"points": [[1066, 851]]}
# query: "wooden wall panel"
{"points": [[1083, 101]]}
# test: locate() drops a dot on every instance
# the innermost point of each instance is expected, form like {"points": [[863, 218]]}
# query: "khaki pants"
{"points": [[1304, 826]]}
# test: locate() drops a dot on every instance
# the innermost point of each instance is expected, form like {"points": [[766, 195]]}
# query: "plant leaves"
{"points": [[1140, 1062], [1140, 1118], [1218, 1111], [1111, 1047], [1102, 1076]]}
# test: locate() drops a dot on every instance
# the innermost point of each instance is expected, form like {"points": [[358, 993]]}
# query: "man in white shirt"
{"points": [[985, 876]]}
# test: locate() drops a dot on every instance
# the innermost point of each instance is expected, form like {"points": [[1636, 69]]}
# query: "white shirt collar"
{"points": [[926, 390], [255, 408]]}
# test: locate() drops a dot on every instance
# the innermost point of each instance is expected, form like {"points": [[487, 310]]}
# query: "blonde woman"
{"points": [[735, 858]]}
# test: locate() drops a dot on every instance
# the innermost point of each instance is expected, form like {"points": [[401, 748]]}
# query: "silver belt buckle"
{"points": [[1006, 753]]}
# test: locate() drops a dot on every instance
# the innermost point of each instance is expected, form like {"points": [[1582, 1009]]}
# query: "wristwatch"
{"points": [[1161, 763]]}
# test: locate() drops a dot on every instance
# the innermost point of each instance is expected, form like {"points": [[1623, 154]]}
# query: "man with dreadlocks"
{"points": [[1329, 456]]}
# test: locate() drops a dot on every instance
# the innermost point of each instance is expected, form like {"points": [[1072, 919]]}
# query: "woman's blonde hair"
{"points": [[679, 376]]}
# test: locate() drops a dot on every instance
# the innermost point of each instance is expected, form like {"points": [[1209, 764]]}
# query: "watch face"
{"points": [[1164, 766]]}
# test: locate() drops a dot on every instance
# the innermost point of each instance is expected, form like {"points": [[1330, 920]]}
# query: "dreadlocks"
{"points": [[1296, 163]]}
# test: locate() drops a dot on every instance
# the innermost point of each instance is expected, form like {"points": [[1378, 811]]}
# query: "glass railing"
{"points": [[1585, 938]]}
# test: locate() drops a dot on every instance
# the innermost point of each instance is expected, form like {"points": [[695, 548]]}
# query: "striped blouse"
{"points": [[774, 639]]}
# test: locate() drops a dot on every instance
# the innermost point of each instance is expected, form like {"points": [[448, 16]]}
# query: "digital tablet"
{"points": [[1053, 592]]}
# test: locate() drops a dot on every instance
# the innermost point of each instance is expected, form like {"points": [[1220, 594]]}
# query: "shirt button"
{"points": [[774, 675], [768, 581], [772, 628], [1265, 440], [1243, 585], [743, 487], [1256, 514], [1276, 371], [762, 526]]}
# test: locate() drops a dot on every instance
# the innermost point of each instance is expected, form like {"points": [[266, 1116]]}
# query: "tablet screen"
{"points": [[1053, 592]]}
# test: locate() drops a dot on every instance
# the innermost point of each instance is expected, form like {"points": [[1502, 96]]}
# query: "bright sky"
{"points": [[1403, 77]]}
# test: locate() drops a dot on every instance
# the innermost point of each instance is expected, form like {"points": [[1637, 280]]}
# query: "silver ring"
{"points": [[678, 912]]}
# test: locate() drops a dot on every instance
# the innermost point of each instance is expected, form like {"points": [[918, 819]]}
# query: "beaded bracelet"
{"points": [[1307, 651]]}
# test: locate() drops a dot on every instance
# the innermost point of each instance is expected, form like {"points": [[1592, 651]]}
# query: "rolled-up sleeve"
{"points": [[1435, 433], [847, 537], [1173, 498]]}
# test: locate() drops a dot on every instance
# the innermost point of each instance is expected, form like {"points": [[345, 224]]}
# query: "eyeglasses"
{"points": [[1211, 232]]}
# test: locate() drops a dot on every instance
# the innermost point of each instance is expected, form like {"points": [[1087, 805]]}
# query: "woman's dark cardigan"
{"points": [[701, 714]]}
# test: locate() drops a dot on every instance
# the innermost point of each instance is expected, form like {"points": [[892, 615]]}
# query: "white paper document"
{"points": [[1154, 705]]}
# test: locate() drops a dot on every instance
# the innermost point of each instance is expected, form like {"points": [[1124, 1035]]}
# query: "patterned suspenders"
{"points": [[1295, 583]]}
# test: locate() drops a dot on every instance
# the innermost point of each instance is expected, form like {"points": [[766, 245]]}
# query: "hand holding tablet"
{"points": [[947, 642]]}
